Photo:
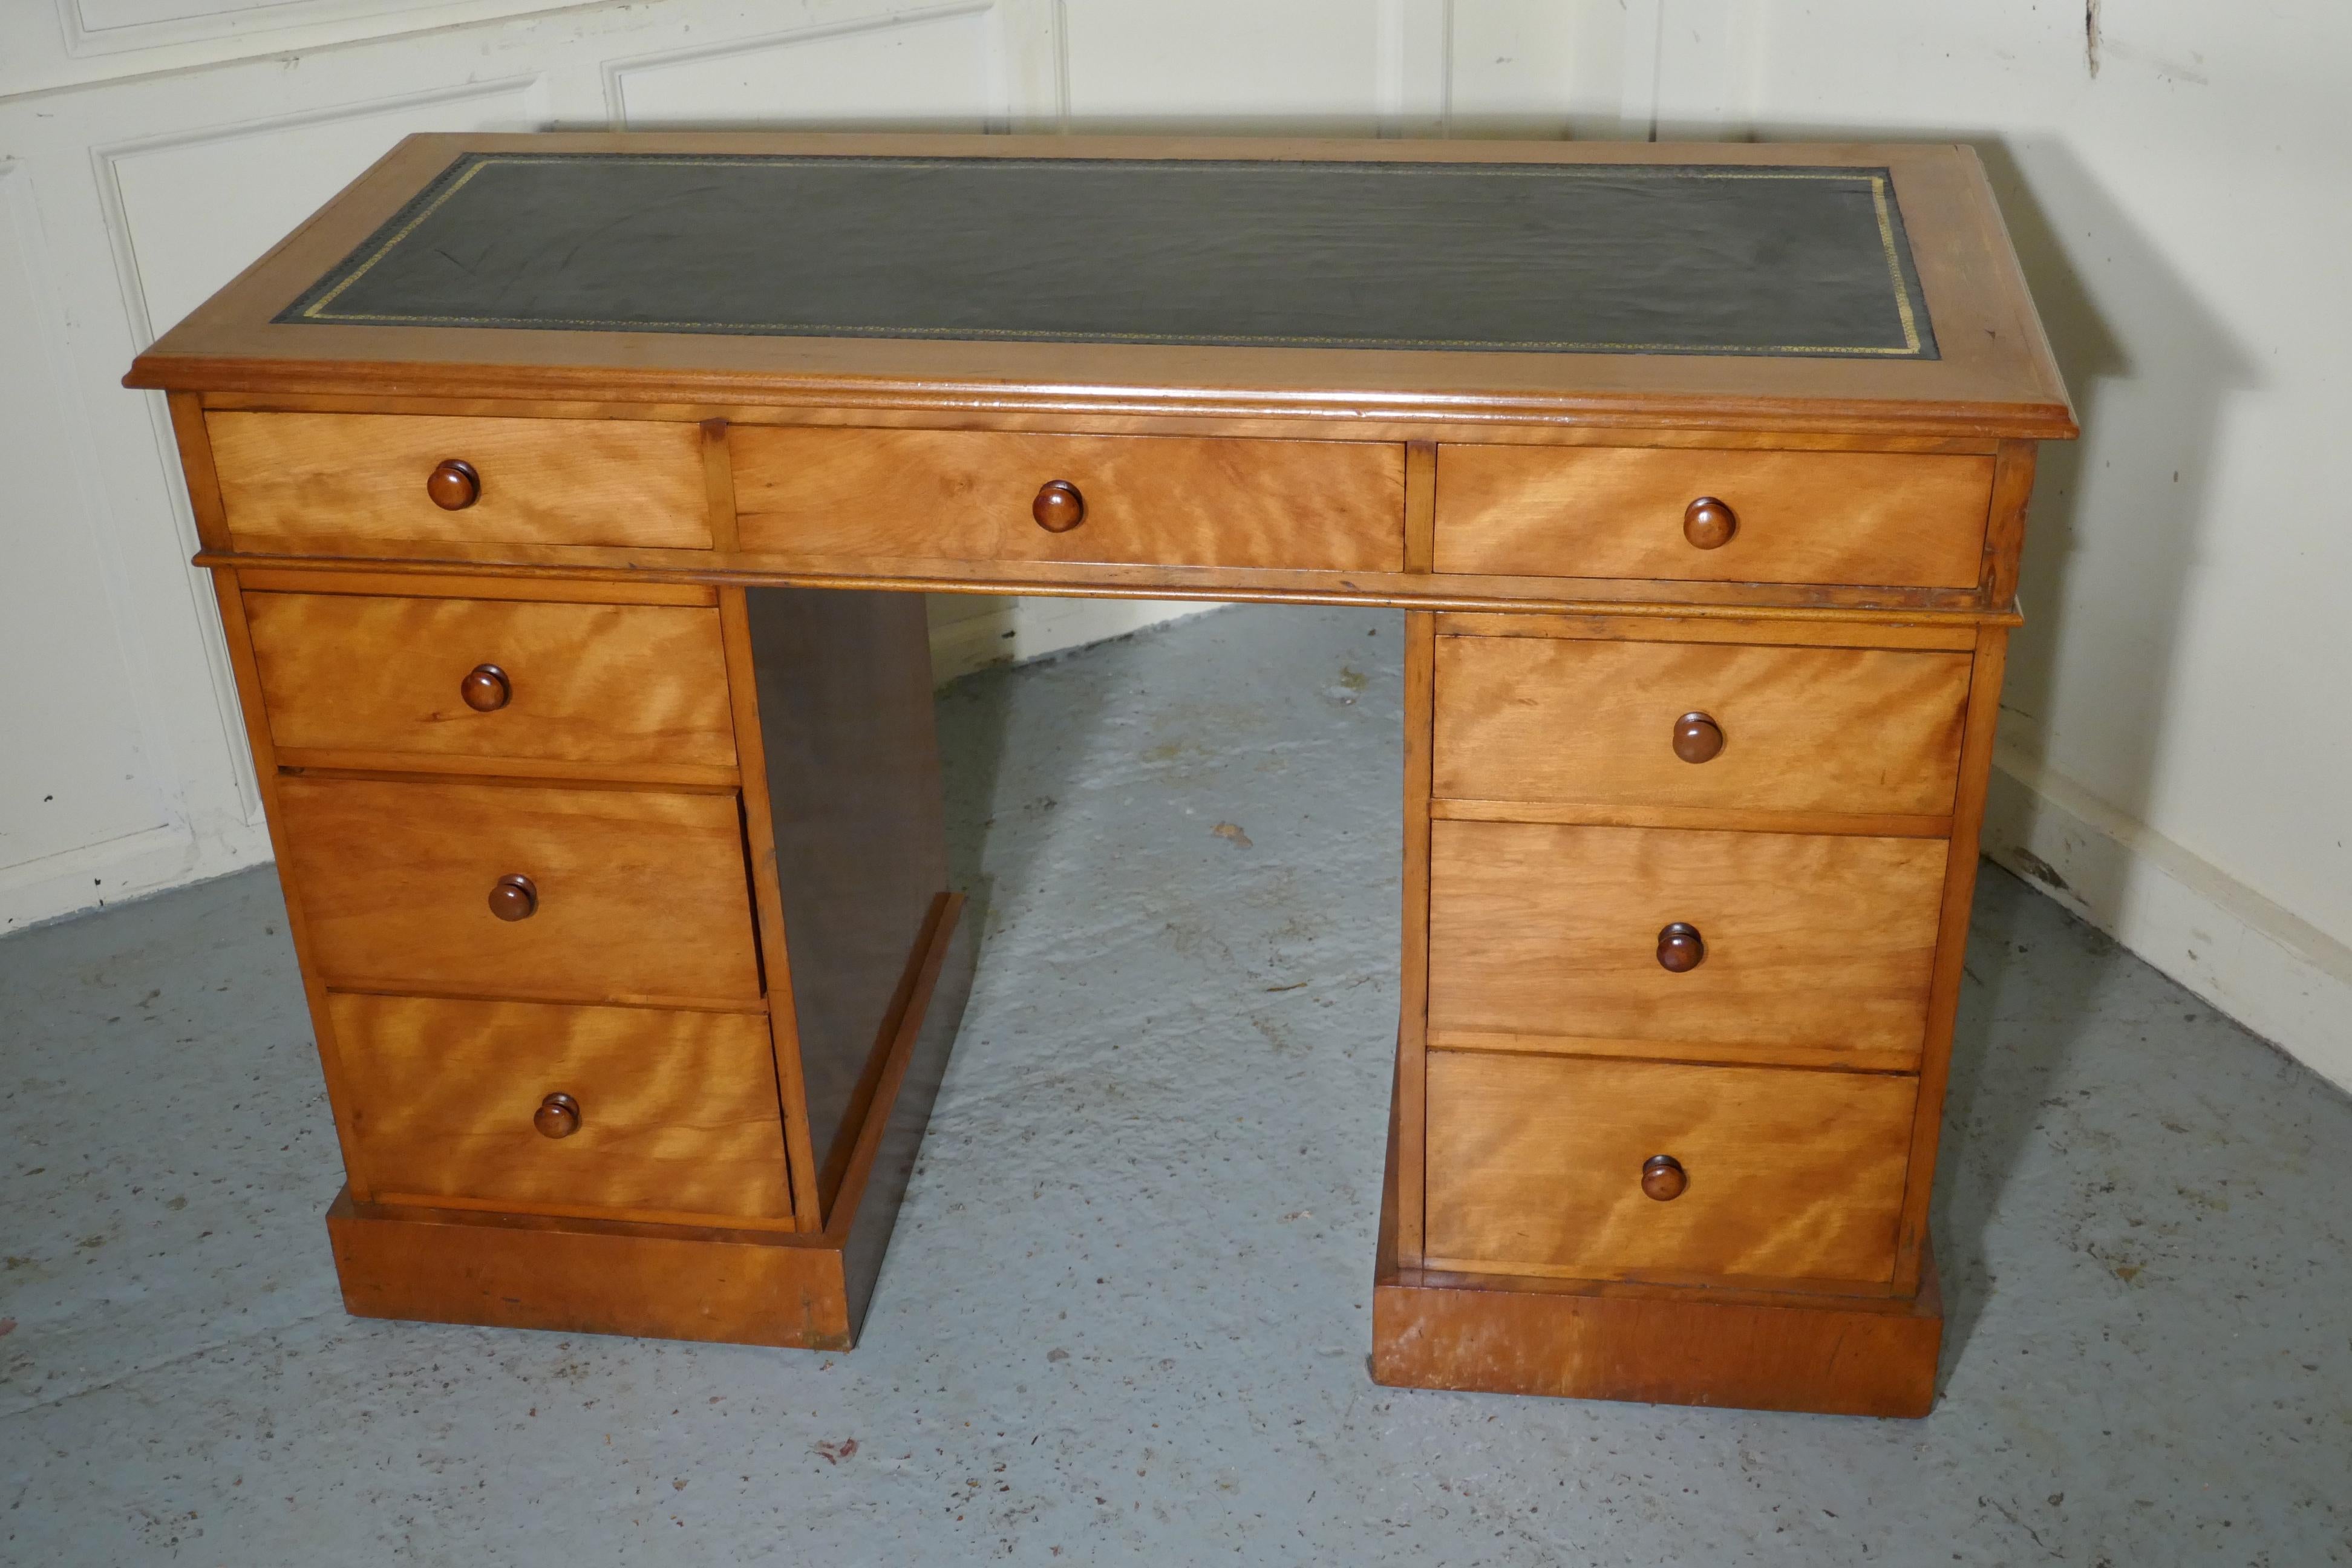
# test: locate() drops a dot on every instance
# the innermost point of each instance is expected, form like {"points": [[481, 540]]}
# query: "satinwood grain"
{"points": [[1535, 1166], [1802, 516], [1837, 1348], [1812, 941], [1952, 952], [677, 1116], [733, 1283], [291, 482], [1802, 728], [850, 495], [617, 685], [641, 893]]}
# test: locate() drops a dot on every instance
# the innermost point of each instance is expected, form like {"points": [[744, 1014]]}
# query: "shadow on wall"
{"points": [[2111, 544]]}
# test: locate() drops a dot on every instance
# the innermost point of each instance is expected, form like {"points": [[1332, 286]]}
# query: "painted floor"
{"points": [[1124, 1315]]}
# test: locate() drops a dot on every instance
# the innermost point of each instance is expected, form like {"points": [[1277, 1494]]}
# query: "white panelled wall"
{"points": [[2177, 755]]}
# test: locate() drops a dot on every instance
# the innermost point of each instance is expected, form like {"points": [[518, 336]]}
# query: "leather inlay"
{"points": [[1577, 258]]}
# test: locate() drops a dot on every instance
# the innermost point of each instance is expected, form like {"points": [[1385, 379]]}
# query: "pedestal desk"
{"points": [[567, 497]]}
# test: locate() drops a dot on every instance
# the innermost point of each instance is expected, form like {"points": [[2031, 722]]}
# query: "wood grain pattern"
{"points": [[1803, 517], [735, 1285], [610, 685], [1534, 1166], [1412, 1016], [768, 907], [195, 451], [1801, 604], [677, 1122], [1951, 950], [641, 893], [290, 479], [732, 1283], [2012, 489], [385, 580], [1806, 730], [1834, 1347], [1761, 631], [1817, 941], [1875, 825], [885, 494]]}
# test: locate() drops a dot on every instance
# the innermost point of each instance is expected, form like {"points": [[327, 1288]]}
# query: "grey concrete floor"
{"points": [[1124, 1317]]}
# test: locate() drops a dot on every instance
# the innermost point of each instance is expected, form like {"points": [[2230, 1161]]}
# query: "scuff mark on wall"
{"points": [[2091, 37]]}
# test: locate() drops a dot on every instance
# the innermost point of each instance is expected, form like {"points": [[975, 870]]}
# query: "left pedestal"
{"points": [[621, 915]]}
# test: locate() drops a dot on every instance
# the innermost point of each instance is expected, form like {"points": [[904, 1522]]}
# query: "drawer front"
{"points": [[1802, 728], [1814, 947], [1536, 1164], [617, 685], [640, 895], [677, 1112], [968, 495], [1863, 518], [297, 482]]}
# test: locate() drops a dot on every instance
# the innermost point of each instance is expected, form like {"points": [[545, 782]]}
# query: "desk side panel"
{"points": [[853, 797]]}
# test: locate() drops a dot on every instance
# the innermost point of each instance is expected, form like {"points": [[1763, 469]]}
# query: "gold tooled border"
{"points": [[317, 309]]}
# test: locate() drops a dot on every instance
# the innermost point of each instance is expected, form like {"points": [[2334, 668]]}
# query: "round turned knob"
{"points": [[1662, 1177], [1059, 507], [558, 1116], [1697, 738], [487, 689], [1709, 524], [516, 898], [453, 485], [1680, 950]]}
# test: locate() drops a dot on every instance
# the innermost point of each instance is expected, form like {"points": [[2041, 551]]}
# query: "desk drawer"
{"points": [[1796, 729], [298, 483], [674, 1115], [1812, 948], [395, 681], [1863, 518], [1535, 1166], [636, 894], [970, 495]]}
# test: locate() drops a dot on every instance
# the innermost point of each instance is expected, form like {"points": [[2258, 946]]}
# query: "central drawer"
{"points": [[1536, 1166], [634, 896], [1807, 947], [597, 1110], [975, 495]]}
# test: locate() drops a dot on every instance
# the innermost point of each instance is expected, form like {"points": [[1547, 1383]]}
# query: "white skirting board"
{"points": [[117, 871], [973, 631], [2277, 974]]}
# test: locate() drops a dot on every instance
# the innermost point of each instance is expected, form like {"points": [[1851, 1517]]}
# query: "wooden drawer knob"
{"points": [[516, 898], [1663, 1178], [1708, 524], [1680, 949], [1697, 738], [453, 485], [558, 1116], [1059, 507], [487, 689]]}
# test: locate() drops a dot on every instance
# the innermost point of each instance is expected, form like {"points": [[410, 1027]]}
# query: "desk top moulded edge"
{"points": [[1996, 379]]}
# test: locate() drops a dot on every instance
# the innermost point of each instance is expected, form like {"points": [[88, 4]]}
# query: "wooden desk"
{"points": [[563, 494]]}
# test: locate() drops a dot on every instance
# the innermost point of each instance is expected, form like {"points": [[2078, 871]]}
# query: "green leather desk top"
{"points": [[1740, 259]]}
